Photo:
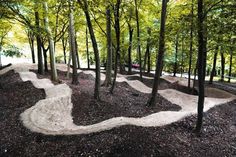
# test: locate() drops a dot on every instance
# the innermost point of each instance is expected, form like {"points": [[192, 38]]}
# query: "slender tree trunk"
{"points": [[68, 64], [31, 43], [77, 53], [84, 5], [45, 56], [213, 71], [64, 45], [107, 81], [117, 30], [51, 45], [201, 64], [147, 53], [87, 48], [131, 30], [190, 47], [40, 56], [222, 64], [152, 99], [230, 62], [138, 40], [176, 54], [72, 44], [182, 57]]}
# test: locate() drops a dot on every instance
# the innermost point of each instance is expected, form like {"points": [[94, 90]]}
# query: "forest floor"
{"points": [[218, 136]]}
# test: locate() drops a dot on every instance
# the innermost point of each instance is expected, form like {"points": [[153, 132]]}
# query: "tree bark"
{"points": [[72, 44], [222, 65], [176, 54], [131, 30], [152, 99], [64, 45], [230, 62], [147, 53], [182, 57], [87, 48], [213, 71], [51, 45], [201, 64], [117, 30], [107, 81], [190, 47], [84, 6], [77, 53], [40, 56], [45, 57], [30, 36], [138, 40]]}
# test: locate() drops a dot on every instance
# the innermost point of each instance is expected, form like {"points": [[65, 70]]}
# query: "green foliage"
{"points": [[12, 51]]}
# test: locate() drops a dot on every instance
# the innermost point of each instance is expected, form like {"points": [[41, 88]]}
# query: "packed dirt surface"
{"points": [[53, 115], [175, 140]]}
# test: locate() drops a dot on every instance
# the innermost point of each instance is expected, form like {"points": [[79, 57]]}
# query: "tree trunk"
{"points": [[230, 62], [190, 47], [152, 99], [131, 30], [45, 58], [147, 53], [84, 5], [68, 64], [182, 57], [201, 64], [148, 50], [213, 71], [40, 55], [72, 44], [117, 30], [64, 45], [176, 54], [31, 43], [107, 81], [87, 48], [77, 53], [222, 65], [138, 40], [51, 45]]}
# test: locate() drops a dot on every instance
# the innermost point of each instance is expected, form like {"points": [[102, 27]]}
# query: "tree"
{"points": [[147, 57], [176, 54], [31, 37], [117, 30], [109, 48], [161, 51], [38, 39], [222, 64], [138, 39], [72, 44], [51, 44], [213, 71], [84, 5], [231, 60], [201, 64], [87, 48], [191, 45]]}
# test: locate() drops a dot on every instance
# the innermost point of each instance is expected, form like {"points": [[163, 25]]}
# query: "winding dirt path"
{"points": [[53, 115]]}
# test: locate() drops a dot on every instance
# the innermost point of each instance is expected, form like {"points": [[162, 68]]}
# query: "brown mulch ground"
{"points": [[218, 136]]}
